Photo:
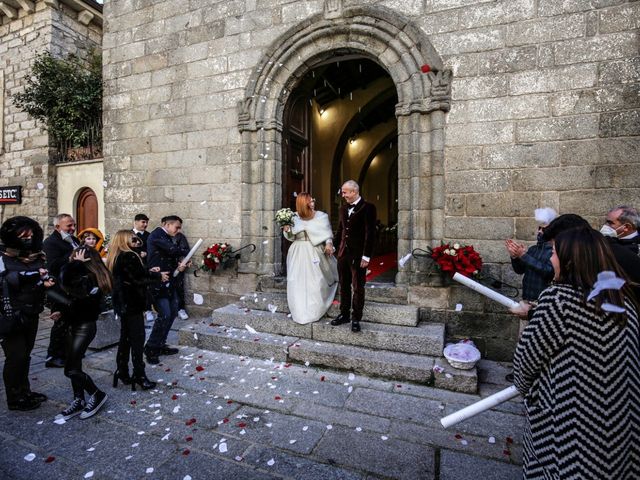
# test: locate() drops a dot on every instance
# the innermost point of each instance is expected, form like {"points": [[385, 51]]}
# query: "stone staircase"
{"points": [[393, 342]]}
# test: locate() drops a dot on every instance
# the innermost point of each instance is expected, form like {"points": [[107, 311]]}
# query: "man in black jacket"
{"points": [[622, 223], [164, 253], [57, 248], [140, 224]]}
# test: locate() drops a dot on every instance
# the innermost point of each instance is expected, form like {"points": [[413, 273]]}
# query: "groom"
{"points": [[355, 237]]}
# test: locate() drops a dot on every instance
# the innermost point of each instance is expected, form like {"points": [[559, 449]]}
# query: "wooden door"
{"points": [[296, 162], [87, 209]]}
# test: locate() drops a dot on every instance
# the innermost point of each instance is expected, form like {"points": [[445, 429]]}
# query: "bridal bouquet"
{"points": [[456, 258], [284, 216], [214, 255]]}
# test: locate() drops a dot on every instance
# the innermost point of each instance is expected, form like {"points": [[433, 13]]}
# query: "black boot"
{"points": [[340, 319], [24, 404], [122, 375], [143, 381]]}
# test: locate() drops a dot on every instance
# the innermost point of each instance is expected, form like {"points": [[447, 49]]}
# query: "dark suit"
{"points": [[57, 253], [163, 253], [144, 236], [355, 238]]}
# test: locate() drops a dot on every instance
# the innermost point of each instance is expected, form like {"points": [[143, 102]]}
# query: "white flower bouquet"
{"points": [[284, 216]]}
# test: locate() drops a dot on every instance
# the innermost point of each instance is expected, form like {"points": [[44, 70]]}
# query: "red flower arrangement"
{"points": [[456, 258], [214, 255]]}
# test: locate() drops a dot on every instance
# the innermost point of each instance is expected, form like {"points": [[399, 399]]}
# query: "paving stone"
{"points": [[457, 466], [14, 466], [296, 467], [275, 429], [370, 453], [344, 417]]}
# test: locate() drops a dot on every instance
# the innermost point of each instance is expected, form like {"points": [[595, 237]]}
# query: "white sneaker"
{"points": [[150, 316], [183, 314]]}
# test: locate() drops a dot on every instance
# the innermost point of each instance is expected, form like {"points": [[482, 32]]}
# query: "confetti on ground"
{"points": [[291, 442], [305, 428], [40, 186], [384, 437], [329, 427], [271, 462], [458, 307], [238, 458], [222, 448], [404, 260], [203, 202], [492, 439], [272, 308], [198, 299], [88, 474], [91, 449], [60, 421], [187, 477], [464, 442], [30, 457], [250, 329], [358, 429], [104, 184], [49, 459], [149, 470], [265, 242]]}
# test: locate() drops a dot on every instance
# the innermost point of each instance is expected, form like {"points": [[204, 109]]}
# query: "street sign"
{"points": [[10, 195]]}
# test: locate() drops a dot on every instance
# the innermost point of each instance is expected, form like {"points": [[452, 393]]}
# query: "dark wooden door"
{"points": [[87, 209], [296, 164]]}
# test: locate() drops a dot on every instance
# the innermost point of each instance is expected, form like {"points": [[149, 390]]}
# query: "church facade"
{"points": [[457, 117]]}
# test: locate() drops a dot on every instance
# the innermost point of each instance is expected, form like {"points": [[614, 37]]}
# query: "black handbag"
{"points": [[10, 319]]}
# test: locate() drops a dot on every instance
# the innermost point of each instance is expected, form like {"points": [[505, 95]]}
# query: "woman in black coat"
{"points": [[85, 280], [131, 279], [23, 280]]}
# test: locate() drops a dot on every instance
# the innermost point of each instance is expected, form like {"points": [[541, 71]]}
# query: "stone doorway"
{"points": [[423, 96]]}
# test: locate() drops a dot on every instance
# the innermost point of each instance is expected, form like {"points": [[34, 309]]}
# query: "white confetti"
{"points": [[384, 437], [150, 470], [352, 377], [60, 421], [448, 375], [265, 242], [203, 202], [291, 442], [176, 409], [40, 186], [358, 429], [40, 422], [238, 458], [305, 428], [198, 299], [187, 477], [250, 329], [128, 457], [30, 457], [141, 432], [195, 336], [271, 462], [272, 308], [350, 389], [269, 425], [458, 307], [166, 437], [464, 442], [222, 448], [104, 184], [134, 445], [329, 427], [492, 439], [91, 449], [88, 474]]}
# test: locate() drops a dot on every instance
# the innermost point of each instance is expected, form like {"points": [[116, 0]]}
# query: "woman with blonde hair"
{"points": [[312, 272], [130, 278]]}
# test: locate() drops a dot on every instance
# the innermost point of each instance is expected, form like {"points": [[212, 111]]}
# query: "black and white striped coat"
{"points": [[580, 374]]}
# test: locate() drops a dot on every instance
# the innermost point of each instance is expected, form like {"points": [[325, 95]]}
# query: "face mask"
{"points": [[608, 231], [26, 243]]}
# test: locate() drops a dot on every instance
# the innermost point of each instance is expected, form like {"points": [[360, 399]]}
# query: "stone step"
{"points": [[375, 291], [424, 339], [376, 312], [395, 365]]}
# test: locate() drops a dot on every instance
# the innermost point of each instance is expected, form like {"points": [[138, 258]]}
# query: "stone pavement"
{"points": [[221, 416]]}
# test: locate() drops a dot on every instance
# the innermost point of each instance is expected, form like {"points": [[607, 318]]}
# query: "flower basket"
{"points": [[463, 355]]}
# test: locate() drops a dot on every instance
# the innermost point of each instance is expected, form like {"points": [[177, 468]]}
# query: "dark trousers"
{"points": [[81, 334], [131, 340], [17, 348], [167, 308], [58, 338], [352, 280]]}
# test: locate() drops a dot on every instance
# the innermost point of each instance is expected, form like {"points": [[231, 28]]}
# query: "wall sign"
{"points": [[10, 195]]}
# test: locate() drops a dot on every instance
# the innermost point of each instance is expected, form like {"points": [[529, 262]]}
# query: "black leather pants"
{"points": [[131, 339], [81, 334], [17, 351]]}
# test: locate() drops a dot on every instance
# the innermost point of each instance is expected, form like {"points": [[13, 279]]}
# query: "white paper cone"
{"points": [[186, 259], [479, 407], [487, 292]]}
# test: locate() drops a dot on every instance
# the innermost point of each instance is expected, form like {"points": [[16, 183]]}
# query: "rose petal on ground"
{"points": [[199, 368], [186, 452], [30, 457], [49, 459], [384, 437]]}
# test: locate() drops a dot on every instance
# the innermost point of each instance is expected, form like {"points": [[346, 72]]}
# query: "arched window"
{"points": [[87, 209]]}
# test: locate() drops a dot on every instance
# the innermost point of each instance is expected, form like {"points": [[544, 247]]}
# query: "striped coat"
{"points": [[580, 375]]}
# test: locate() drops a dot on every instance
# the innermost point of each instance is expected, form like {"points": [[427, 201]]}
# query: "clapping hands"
{"points": [[516, 250]]}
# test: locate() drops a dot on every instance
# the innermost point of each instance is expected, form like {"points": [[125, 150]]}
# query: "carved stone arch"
{"points": [[395, 43]]}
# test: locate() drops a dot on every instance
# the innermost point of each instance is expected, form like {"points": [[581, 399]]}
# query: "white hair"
{"points": [[352, 184], [545, 215]]}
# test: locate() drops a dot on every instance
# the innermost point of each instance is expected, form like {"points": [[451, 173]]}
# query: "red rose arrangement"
{"points": [[456, 258], [214, 255]]}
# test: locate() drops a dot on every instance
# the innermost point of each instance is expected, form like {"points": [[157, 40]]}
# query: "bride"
{"points": [[312, 272]]}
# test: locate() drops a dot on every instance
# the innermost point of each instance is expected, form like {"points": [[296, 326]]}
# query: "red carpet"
{"points": [[381, 264]]}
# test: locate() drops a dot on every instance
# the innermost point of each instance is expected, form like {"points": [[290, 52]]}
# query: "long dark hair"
{"points": [[96, 268], [582, 254]]}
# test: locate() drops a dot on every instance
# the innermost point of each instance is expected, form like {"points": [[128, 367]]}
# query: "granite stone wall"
{"points": [[544, 111]]}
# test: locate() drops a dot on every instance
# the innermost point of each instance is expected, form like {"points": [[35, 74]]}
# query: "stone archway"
{"points": [[400, 47]]}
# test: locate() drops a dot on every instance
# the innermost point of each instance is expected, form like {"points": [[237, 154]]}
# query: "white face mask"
{"points": [[608, 231]]}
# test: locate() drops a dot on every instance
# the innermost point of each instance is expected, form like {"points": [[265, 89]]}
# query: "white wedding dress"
{"points": [[312, 277]]}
